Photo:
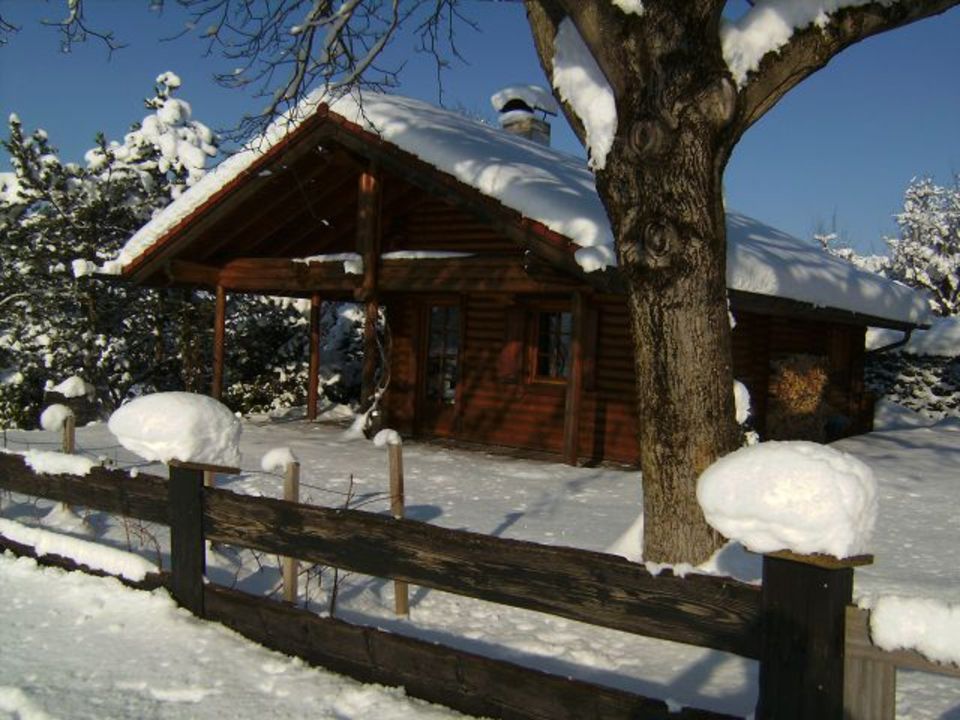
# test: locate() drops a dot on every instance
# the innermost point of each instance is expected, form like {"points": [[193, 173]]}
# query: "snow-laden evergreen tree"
{"points": [[927, 253], [58, 220]]}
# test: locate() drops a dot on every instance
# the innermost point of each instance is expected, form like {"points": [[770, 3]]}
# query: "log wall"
{"points": [[530, 415]]}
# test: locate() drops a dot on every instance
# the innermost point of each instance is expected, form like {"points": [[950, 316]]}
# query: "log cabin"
{"points": [[491, 258]]}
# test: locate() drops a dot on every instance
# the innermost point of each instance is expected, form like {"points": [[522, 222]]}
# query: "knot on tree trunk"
{"points": [[658, 241], [647, 138]]}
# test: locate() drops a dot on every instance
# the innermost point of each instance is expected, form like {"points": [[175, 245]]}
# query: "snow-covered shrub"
{"points": [[268, 347], [926, 383]]}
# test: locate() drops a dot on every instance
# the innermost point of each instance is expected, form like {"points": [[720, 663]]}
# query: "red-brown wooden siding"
{"points": [[530, 415]]}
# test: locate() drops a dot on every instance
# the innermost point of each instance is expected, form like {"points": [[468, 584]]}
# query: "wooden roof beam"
{"points": [[242, 189], [528, 234]]}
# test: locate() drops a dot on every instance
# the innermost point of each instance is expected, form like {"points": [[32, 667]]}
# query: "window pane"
{"points": [[553, 344], [443, 354]]}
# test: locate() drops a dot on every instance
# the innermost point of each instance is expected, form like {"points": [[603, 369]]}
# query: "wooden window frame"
{"points": [[535, 313], [428, 304]]}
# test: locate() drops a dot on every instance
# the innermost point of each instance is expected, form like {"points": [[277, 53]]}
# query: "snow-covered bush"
{"points": [[927, 253]]}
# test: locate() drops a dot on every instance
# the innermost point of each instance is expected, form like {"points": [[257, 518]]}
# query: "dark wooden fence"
{"points": [[795, 625]]}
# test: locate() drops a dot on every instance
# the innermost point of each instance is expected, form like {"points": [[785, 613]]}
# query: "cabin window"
{"points": [[552, 353], [443, 354]]}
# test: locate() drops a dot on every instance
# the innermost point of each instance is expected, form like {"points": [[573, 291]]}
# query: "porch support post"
{"points": [[219, 341], [313, 389], [369, 200], [368, 378], [574, 396]]}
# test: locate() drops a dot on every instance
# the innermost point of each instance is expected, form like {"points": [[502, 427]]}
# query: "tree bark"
{"points": [[672, 249], [662, 189]]}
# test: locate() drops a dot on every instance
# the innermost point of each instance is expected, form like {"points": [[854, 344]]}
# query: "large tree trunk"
{"points": [[671, 245], [662, 189]]}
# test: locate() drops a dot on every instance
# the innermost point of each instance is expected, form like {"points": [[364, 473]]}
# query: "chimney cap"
{"points": [[533, 97]]}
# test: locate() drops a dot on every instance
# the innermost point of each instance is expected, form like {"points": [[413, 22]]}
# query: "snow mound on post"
{"points": [[797, 496], [277, 460], [53, 418], [178, 426], [387, 437]]}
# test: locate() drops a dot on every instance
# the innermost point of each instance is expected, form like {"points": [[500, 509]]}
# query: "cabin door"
{"points": [[439, 391]]}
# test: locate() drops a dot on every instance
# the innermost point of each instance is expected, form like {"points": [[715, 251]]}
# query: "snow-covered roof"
{"points": [[558, 191]]}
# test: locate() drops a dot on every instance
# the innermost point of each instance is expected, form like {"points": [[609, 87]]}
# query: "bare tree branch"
{"points": [[7, 29], [74, 29], [812, 48]]}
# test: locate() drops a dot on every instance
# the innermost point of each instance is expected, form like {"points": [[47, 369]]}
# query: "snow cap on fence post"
{"points": [[387, 437], [54, 416], [179, 426], [796, 496], [277, 460]]}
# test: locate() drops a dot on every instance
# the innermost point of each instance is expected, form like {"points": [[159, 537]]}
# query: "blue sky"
{"points": [[837, 152]]}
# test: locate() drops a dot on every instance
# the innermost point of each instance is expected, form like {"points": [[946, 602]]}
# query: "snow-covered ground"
{"points": [[57, 638]]}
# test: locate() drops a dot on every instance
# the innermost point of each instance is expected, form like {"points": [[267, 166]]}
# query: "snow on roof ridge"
{"points": [[558, 191]]}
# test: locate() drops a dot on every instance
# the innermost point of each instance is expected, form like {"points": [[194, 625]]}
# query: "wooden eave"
{"points": [[785, 307], [481, 273]]}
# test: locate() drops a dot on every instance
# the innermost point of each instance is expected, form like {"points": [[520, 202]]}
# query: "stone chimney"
{"points": [[518, 107]]}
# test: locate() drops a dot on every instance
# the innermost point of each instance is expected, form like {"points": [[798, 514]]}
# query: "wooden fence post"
{"points": [[870, 683], [401, 592], [187, 550], [291, 492], [804, 605], [69, 434]]}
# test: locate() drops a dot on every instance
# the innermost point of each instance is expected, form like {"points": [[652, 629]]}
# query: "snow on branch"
{"points": [[776, 44]]}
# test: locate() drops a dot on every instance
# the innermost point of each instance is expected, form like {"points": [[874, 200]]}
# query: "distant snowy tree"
{"points": [[927, 253], [830, 242]]}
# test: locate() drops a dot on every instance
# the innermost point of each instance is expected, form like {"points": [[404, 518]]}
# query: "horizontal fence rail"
{"points": [[143, 497], [463, 680], [591, 587]]}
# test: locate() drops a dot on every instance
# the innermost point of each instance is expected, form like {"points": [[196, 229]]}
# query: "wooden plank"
{"points": [[284, 275], [191, 273], [219, 341], [599, 589], [869, 689], [464, 681], [802, 662], [573, 400], [114, 491], [187, 547], [313, 383]]}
